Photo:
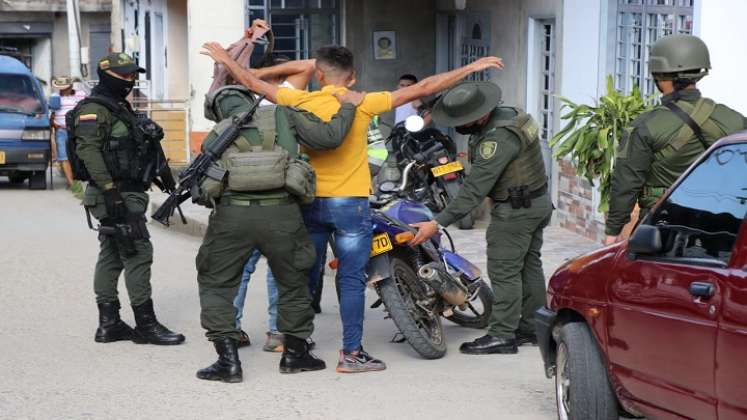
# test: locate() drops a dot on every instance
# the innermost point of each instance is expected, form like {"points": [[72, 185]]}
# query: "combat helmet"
{"points": [[679, 57], [227, 101]]}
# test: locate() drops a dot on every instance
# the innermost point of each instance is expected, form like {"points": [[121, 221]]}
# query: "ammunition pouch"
{"points": [[521, 197], [257, 170], [300, 180], [212, 186]]}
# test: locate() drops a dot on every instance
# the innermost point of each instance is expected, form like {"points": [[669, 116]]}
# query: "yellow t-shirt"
{"points": [[341, 172]]}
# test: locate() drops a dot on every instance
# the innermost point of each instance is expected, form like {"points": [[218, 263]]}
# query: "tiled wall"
{"points": [[575, 211]]}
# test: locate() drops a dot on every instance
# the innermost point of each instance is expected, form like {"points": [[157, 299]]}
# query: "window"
{"points": [[18, 94], [640, 23], [702, 217], [300, 26]]}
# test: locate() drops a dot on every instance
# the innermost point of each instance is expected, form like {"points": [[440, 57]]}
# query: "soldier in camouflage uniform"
{"points": [[662, 143], [508, 168], [267, 220], [115, 159]]}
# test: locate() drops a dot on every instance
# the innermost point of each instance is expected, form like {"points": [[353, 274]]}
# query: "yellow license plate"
{"points": [[2, 157], [381, 244], [450, 167]]}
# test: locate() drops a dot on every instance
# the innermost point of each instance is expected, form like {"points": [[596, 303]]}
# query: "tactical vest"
{"points": [[674, 154], [528, 169], [127, 158], [261, 163]]}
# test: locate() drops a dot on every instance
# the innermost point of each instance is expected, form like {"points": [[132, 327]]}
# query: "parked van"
{"points": [[24, 125]]}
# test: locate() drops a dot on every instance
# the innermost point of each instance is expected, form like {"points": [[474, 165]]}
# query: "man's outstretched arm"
{"points": [[297, 72], [242, 75], [439, 82]]}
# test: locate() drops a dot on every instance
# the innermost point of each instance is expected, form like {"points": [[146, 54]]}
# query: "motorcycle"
{"points": [[419, 285], [441, 178]]}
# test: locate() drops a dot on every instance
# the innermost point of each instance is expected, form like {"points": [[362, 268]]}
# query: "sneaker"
{"points": [[358, 361], [244, 340], [274, 343]]}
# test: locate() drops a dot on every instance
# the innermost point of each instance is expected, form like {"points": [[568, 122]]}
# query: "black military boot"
{"points": [[111, 327], [489, 344], [297, 358], [148, 327], [228, 366]]}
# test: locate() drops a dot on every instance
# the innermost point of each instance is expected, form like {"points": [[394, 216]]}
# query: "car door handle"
{"points": [[702, 289]]}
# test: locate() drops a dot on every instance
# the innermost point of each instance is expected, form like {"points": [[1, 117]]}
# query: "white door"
{"points": [[158, 65]]}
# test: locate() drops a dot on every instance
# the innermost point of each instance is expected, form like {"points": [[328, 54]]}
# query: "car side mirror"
{"points": [[55, 102], [646, 240]]}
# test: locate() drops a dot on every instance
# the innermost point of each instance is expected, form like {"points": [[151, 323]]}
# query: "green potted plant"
{"points": [[593, 132]]}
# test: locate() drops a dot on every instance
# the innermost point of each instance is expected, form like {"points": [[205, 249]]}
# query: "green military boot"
{"points": [[111, 327], [228, 366], [150, 329], [297, 357]]}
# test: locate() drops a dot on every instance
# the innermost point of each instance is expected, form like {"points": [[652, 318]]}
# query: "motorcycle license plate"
{"points": [[380, 244], [2, 157], [450, 167]]}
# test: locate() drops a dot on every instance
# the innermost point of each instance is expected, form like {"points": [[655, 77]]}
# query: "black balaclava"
{"points": [[113, 86]]}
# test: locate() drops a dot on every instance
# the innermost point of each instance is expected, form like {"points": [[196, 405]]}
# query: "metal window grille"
{"points": [[640, 23], [547, 81], [299, 26]]}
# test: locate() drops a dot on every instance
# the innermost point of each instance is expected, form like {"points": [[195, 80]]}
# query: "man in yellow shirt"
{"points": [[343, 178]]}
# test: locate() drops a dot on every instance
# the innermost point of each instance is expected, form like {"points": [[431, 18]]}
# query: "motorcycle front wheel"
{"points": [[479, 308], [423, 330]]}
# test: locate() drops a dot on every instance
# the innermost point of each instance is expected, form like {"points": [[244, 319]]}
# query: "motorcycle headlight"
{"points": [[35, 135]]}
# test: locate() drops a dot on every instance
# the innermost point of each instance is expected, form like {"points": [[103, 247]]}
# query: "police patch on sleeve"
{"points": [[488, 149]]}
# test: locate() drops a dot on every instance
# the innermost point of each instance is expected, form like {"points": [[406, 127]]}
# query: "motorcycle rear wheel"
{"points": [[423, 332], [478, 311]]}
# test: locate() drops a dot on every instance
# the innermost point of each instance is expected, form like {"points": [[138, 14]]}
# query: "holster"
{"points": [[519, 197], [125, 232]]}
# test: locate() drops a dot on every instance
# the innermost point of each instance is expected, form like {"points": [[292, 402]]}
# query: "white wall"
{"points": [[720, 24], [208, 22], [582, 34]]}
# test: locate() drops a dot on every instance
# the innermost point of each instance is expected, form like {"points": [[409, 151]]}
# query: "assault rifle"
{"points": [[190, 178]]}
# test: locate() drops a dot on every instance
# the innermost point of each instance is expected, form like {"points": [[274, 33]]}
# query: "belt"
{"points": [[263, 202], [539, 192], [125, 186]]}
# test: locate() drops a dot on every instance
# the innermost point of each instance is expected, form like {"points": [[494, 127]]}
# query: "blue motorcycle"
{"points": [[418, 285]]}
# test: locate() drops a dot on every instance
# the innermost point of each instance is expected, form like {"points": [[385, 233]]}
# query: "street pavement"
{"points": [[52, 369]]}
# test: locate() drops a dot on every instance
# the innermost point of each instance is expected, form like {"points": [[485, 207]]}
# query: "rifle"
{"points": [[190, 178], [158, 171]]}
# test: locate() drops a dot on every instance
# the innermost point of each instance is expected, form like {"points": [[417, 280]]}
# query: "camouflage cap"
{"points": [[120, 63]]}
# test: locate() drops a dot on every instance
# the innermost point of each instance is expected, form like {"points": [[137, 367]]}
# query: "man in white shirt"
{"points": [[411, 108], [68, 99]]}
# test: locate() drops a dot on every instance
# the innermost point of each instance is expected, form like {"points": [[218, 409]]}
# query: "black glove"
{"points": [[115, 205]]}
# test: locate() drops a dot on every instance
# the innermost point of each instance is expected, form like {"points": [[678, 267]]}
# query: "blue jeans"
{"points": [[272, 293], [60, 136], [348, 220]]}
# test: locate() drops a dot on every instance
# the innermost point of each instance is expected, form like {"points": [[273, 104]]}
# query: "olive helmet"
{"points": [[227, 101], [679, 57]]}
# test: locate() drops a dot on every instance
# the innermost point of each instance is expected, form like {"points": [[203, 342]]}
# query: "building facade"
{"points": [[38, 31], [550, 47]]}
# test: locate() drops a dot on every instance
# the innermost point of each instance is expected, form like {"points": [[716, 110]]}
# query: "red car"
{"points": [[656, 326]]}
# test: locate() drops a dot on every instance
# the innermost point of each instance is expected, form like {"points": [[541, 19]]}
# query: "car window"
{"points": [[18, 94], [702, 216]]}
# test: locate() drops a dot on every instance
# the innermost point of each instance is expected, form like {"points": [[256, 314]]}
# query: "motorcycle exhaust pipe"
{"points": [[449, 289]]}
